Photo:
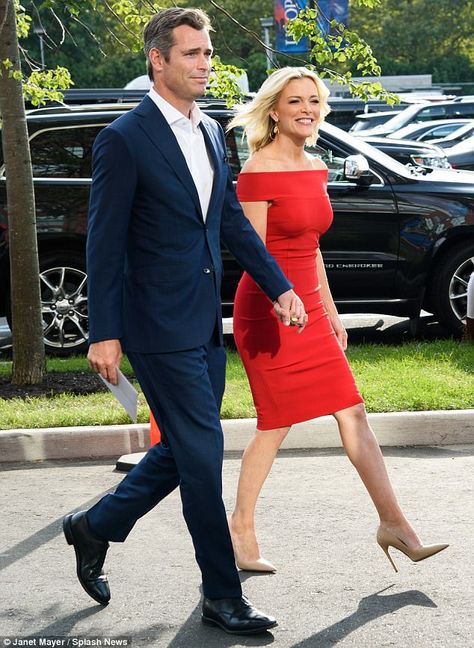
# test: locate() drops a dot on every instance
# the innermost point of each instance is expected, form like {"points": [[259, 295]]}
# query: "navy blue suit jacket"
{"points": [[154, 266]]}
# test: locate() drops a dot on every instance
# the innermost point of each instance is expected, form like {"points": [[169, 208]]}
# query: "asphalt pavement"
{"points": [[334, 585]]}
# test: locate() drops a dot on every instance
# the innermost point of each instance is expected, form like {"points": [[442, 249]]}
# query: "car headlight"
{"points": [[431, 161]]}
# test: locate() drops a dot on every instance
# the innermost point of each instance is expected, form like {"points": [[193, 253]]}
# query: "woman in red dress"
{"points": [[301, 372]]}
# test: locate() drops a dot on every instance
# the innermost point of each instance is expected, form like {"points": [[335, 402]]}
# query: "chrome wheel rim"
{"points": [[458, 288], [64, 307]]}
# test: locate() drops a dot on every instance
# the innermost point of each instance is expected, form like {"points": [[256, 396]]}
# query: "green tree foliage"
{"points": [[102, 45], [86, 44], [420, 37], [101, 49], [333, 53]]}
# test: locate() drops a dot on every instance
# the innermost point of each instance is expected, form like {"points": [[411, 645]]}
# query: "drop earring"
{"points": [[275, 130]]}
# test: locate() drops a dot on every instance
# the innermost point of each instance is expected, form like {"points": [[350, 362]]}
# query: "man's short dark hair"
{"points": [[158, 33]]}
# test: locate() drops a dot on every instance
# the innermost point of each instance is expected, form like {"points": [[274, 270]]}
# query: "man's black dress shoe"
{"points": [[90, 556], [235, 616]]}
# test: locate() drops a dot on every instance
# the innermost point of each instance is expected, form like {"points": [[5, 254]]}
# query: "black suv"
{"points": [[402, 239]]}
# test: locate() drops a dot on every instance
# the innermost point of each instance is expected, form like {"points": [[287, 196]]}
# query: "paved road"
{"points": [[333, 586]]}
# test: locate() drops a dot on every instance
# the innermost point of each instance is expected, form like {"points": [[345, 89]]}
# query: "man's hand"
{"points": [[104, 358], [290, 310]]}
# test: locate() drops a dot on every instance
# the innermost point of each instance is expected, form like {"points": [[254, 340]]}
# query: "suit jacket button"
{"points": [[206, 270]]}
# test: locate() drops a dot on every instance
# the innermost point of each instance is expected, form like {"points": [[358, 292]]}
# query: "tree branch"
{"points": [[91, 34], [254, 35]]}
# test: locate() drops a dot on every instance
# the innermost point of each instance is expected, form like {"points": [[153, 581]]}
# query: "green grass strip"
{"points": [[414, 376]]}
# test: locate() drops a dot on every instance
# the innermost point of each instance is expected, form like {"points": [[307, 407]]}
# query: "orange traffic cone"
{"points": [[155, 434]]}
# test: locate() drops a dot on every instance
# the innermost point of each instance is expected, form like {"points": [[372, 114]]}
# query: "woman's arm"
{"points": [[256, 212], [329, 304]]}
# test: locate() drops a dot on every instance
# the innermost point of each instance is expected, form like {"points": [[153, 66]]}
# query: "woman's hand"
{"points": [[340, 331], [290, 310]]}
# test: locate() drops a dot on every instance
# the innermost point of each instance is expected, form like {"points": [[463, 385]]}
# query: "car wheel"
{"points": [[449, 296], [63, 285]]}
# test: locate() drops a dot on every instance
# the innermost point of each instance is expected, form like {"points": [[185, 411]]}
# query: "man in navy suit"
{"points": [[161, 200]]}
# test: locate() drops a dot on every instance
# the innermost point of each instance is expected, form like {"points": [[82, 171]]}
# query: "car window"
{"points": [[63, 152], [238, 153], [438, 131], [464, 110], [237, 149], [333, 160], [403, 118], [466, 132], [431, 112]]}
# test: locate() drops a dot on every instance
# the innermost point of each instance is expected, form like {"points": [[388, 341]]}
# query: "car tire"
{"points": [[63, 285], [66, 325], [449, 289]]}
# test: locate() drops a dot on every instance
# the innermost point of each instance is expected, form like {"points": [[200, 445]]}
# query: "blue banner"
{"points": [[285, 10], [332, 10]]}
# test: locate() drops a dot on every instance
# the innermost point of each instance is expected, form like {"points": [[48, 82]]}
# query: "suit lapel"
{"points": [[160, 133]]}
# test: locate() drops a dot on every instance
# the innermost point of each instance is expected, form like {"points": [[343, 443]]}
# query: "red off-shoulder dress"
{"points": [[293, 377]]}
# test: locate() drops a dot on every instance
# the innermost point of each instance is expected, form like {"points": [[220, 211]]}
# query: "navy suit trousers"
{"points": [[184, 390]]}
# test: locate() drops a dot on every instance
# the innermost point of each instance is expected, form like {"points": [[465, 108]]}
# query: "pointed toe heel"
{"points": [[387, 539], [259, 565]]}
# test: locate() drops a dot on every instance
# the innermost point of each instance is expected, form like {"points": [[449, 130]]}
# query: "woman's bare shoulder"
{"points": [[318, 163], [255, 164]]}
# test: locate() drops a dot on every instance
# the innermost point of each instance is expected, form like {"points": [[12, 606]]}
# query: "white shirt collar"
{"points": [[172, 114]]}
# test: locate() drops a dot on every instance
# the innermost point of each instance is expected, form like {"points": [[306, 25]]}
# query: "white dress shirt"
{"points": [[192, 145]]}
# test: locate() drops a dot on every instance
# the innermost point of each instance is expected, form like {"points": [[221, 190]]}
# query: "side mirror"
{"points": [[356, 169]]}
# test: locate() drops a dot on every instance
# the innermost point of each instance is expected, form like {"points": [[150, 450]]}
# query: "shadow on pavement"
{"points": [[370, 608], [63, 627], [41, 537], [195, 633]]}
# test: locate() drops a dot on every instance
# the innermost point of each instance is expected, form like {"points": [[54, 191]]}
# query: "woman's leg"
{"points": [[364, 452], [257, 461]]}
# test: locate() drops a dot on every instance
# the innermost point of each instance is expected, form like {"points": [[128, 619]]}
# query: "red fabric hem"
{"points": [[350, 403]]}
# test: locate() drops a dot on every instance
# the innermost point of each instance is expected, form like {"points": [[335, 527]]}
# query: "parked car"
{"points": [[407, 152], [456, 137], [367, 121], [424, 112], [344, 110], [431, 130], [461, 156], [402, 238]]}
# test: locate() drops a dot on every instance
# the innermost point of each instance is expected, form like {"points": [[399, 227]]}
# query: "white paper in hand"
{"points": [[125, 393]]}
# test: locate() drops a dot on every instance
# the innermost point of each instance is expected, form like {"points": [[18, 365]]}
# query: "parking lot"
{"points": [[334, 586]]}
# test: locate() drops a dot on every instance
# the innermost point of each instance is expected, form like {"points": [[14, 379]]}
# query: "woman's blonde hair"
{"points": [[255, 115]]}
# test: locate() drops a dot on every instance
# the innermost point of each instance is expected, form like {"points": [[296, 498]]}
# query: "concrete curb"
{"points": [[443, 427]]}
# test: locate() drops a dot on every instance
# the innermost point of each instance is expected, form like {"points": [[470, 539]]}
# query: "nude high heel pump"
{"points": [[259, 565], [387, 539]]}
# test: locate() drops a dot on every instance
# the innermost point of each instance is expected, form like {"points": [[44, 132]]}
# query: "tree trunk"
{"points": [[28, 345]]}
